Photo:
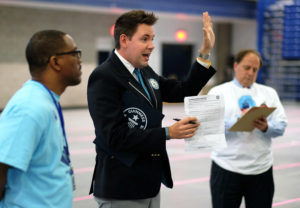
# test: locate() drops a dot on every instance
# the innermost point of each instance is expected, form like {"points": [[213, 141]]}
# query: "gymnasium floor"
{"points": [[190, 169]]}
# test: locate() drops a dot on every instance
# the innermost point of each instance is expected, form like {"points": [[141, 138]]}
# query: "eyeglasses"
{"points": [[76, 52]]}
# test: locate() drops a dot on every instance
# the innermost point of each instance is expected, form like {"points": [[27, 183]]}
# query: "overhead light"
{"points": [[112, 30], [181, 35]]}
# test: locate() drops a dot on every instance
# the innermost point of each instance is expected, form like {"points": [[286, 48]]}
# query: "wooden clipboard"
{"points": [[245, 123]]}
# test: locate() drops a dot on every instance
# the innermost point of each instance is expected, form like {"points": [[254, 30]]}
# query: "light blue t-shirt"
{"points": [[32, 143]]}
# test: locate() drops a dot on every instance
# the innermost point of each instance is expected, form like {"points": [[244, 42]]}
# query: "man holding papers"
{"points": [[125, 98], [244, 167]]}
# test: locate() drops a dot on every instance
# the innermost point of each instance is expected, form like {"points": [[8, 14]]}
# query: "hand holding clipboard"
{"points": [[245, 123]]}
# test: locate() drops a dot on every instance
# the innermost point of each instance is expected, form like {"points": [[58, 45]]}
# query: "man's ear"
{"points": [[123, 40], [53, 62], [235, 64]]}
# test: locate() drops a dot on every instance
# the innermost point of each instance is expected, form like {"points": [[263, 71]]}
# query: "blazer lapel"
{"points": [[128, 79], [150, 88]]}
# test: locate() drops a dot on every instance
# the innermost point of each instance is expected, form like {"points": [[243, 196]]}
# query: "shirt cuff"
{"points": [[167, 133], [206, 64], [275, 129]]}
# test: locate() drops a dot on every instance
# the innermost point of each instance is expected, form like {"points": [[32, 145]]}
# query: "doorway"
{"points": [[176, 60]]}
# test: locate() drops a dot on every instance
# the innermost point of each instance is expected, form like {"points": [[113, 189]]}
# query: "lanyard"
{"points": [[61, 118], [62, 123]]}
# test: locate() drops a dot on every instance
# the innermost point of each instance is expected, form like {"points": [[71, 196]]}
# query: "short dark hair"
{"points": [[241, 54], [129, 21], [41, 46]]}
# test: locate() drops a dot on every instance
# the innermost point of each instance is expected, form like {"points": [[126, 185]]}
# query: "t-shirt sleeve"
{"points": [[19, 137]]}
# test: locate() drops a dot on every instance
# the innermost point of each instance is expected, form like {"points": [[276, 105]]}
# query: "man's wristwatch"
{"points": [[204, 56]]}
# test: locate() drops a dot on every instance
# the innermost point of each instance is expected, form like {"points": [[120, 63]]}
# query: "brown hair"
{"points": [[240, 55], [128, 23]]}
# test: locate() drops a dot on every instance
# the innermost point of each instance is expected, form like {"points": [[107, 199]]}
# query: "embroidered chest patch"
{"points": [[136, 118]]}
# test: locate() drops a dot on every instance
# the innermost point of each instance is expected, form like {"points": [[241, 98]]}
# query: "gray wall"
{"points": [[90, 29], [17, 24]]}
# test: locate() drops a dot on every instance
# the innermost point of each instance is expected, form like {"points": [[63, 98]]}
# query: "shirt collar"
{"points": [[42, 86], [125, 62], [236, 82]]}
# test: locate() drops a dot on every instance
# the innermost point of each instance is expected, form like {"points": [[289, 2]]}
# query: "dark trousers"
{"points": [[228, 188]]}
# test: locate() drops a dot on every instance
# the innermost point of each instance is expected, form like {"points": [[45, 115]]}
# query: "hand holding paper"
{"points": [[184, 128]]}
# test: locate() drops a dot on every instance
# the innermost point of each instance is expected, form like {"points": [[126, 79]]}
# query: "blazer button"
{"points": [[112, 157]]}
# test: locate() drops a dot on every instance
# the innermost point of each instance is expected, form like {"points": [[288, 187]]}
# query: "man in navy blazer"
{"points": [[125, 100]]}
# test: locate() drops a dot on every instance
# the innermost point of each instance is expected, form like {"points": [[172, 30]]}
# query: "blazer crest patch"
{"points": [[136, 118]]}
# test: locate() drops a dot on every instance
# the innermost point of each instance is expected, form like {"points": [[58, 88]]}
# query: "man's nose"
{"points": [[151, 45], [251, 72]]}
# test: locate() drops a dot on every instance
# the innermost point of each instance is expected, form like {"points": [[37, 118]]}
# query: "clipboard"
{"points": [[245, 123]]}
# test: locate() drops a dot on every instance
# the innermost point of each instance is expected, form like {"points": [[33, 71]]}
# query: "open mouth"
{"points": [[146, 55]]}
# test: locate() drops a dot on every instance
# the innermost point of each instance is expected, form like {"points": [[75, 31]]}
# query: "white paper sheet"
{"points": [[209, 109]]}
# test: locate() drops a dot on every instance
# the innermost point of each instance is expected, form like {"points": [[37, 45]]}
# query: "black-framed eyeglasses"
{"points": [[76, 52]]}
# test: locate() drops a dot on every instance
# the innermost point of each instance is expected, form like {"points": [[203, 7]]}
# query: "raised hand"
{"points": [[208, 35]]}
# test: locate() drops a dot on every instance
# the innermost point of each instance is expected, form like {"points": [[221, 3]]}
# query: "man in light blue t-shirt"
{"points": [[35, 169]]}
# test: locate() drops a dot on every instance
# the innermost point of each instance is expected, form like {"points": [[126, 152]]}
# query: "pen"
{"points": [[178, 119], [263, 104]]}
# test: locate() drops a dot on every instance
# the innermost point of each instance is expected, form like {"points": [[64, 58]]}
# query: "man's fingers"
{"points": [[206, 19], [190, 130]]}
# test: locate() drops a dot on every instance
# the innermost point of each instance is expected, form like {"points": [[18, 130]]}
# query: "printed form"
{"points": [[209, 109]]}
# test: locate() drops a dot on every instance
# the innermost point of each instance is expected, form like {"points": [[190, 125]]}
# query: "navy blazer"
{"points": [[132, 160]]}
